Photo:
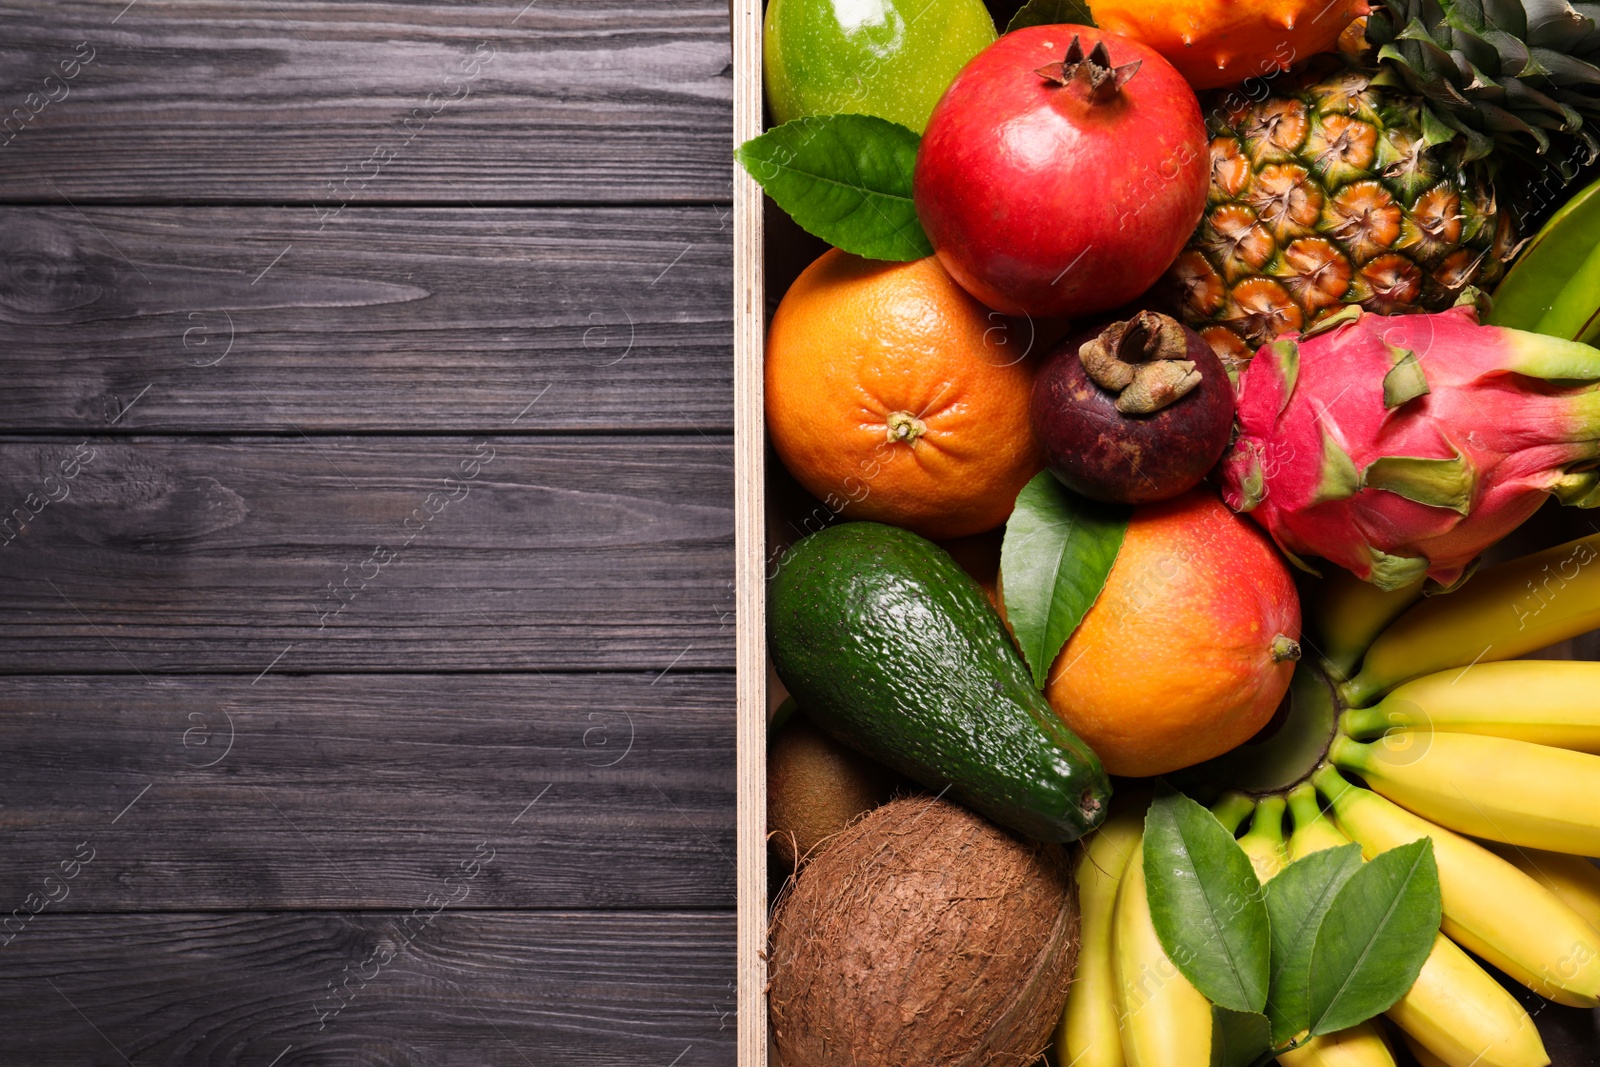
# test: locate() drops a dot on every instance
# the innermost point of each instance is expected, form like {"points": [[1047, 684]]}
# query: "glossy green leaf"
{"points": [[1238, 1038], [1548, 262], [1207, 904], [1573, 309], [1297, 900], [1057, 552], [1375, 938], [845, 179], [1051, 13]]}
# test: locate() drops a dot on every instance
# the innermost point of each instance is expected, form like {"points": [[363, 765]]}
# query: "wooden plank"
{"points": [[435, 554], [453, 990], [356, 791], [592, 101], [750, 538], [394, 319]]}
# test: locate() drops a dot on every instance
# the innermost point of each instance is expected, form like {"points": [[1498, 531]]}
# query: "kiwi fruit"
{"points": [[816, 787]]}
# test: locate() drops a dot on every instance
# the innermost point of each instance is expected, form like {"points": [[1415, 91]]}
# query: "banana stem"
{"points": [[1232, 810], [1303, 806], [1330, 782], [1264, 842]]}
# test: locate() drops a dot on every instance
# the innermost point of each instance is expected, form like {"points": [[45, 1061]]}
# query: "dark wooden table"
{"points": [[365, 500]]}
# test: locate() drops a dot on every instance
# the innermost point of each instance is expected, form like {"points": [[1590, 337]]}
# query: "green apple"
{"points": [[890, 58]]}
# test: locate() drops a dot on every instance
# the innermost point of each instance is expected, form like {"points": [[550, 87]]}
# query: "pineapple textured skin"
{"points": [[1329, 191]]}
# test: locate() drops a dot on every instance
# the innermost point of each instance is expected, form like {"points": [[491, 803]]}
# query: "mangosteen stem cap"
{"points": [[1141, 360], [1094, 74]]}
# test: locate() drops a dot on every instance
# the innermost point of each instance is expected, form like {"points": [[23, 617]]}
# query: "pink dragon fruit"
{"points": [[1406, 445]]}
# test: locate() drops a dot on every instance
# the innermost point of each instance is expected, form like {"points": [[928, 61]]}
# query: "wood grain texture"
{"points": [[367, 554], [239, 319], [750, 539], [357, 791], [592, 101], [459, 990]]}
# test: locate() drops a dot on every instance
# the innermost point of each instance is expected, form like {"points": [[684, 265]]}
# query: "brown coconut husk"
{"points": [[923, 936]]}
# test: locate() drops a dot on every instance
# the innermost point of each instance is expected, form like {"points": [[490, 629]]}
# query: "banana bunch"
{"points": [[1554, 288], [1129, 1006], [1497, 760]]}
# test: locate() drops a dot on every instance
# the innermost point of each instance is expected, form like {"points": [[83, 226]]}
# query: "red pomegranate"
{"points": [[1062, 171]]}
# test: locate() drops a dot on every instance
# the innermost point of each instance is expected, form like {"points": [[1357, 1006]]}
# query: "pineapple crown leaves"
{"points": [[1513, 74]]}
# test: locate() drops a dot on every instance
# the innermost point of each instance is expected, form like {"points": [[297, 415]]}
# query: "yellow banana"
{"points": [[1502, 612], [1264, 842], [1490, 907], [1490, 787], [1362, 1045], [1573, 879], [1455, 1006], [1165, 1021], [1546, 702], [1464, 1017], [1088, 1035], [1345, 615], [1313, 831], [1420, 1051]]}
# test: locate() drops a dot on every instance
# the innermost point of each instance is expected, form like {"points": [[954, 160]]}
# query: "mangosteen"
{"points": [[1133, 411]]}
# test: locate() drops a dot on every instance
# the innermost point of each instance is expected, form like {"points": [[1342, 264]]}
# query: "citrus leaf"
{"points": [[845, 179], [1238, 1038], [1375, 938], [1051, 13], [1206, 904], [1058, 550], [1297, 900]]}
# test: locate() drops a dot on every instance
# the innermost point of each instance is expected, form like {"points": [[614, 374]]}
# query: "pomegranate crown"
{"points": [[1094, 73]]}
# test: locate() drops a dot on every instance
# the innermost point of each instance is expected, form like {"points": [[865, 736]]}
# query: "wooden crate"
{"points": [[761, 274], [749, 331]]}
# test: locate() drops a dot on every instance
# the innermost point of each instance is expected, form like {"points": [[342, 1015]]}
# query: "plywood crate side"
{"points": [[749, 317]]}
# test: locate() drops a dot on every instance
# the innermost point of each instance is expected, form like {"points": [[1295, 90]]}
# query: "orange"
{"points": [[894, 396], [1189, 649]]}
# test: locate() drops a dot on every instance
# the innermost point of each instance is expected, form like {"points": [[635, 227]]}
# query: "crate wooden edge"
{"points": [[749, 501]]}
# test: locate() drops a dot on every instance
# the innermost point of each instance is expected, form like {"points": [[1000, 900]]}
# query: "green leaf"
{"points": [[1297, 899], [1206, 903], [1375, 938], [1057, 551], [1548, 263], [1238, 1038], [845, 179], [1051, 13]]}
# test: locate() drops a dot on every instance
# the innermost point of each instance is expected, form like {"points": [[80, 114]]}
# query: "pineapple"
{"points": [[1370, 179]]}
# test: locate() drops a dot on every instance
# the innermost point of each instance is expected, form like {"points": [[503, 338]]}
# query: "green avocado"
{"points": [[891, 647]]}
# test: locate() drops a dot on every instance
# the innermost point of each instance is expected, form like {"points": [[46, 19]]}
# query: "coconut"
{"points": [[923, 935]]}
